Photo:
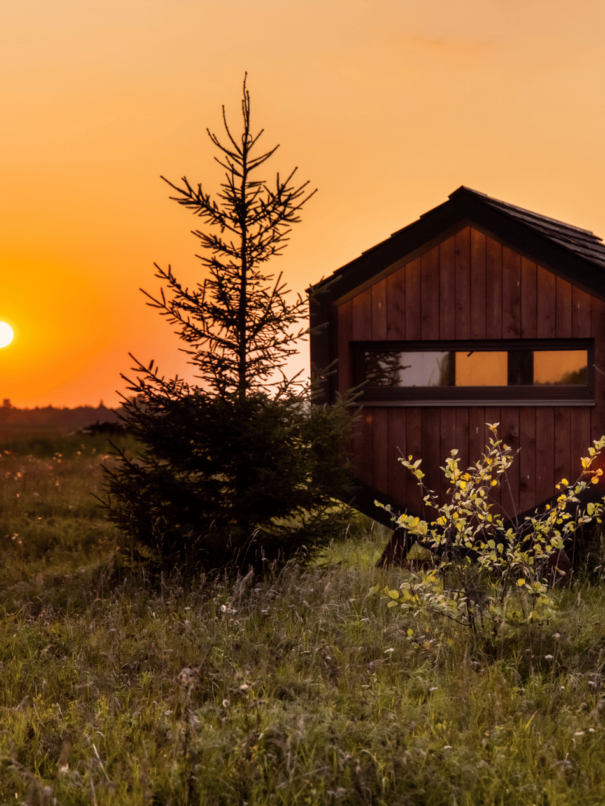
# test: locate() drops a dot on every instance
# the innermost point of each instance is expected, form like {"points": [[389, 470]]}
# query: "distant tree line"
{"points": [[78, 417]]}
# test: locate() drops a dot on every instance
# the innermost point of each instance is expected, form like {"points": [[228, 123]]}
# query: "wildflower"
{"points": [[187, 677], [548, 657]]}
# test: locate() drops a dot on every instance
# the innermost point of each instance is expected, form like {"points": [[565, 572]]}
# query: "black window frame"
{"points": [[465, 395]]}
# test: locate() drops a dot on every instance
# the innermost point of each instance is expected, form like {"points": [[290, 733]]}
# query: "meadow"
{"points": [[298, 688]]}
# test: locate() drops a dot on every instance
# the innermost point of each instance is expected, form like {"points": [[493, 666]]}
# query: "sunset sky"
{"points": [[386, 106]]}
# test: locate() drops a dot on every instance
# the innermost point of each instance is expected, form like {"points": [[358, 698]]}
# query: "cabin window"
{"points": [[549, 370]]}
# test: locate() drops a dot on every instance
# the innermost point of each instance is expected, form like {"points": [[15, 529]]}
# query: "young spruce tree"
{"points": [[240, 469]]}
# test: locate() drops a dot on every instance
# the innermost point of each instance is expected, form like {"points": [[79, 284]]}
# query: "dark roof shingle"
{"points": [[582, 242]]}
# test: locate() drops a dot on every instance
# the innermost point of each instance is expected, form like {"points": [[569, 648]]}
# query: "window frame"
{"points": [[473, 395]]}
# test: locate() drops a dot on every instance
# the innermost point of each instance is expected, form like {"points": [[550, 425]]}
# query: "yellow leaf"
{"points": [[520, 582]]}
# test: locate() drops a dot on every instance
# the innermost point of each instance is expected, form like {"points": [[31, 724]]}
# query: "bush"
{"points": [[231, 481], [494, 574]]}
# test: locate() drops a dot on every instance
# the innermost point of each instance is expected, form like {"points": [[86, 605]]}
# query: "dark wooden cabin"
{"points": [[479, 312]]}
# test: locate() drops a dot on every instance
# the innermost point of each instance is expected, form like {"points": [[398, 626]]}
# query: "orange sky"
{"points": [[387, 106]]}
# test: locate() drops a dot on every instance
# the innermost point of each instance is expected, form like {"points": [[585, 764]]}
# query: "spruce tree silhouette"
{"points": [[240, 469]]}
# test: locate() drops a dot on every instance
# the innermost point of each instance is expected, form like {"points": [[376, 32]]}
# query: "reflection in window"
{"points": [[561, 367], [431, 368], [397, 368], [481, 369]]}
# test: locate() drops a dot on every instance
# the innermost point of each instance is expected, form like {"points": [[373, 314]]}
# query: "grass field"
{"points": [[295, 689]]}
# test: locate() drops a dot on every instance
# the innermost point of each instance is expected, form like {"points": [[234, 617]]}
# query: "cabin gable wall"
{"points": [[471, 286]]}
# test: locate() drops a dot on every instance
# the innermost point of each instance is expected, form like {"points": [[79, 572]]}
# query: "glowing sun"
{"points": [[6, 334]]}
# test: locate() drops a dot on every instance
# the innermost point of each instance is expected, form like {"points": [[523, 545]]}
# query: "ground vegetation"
{"points": [[296, 687]]}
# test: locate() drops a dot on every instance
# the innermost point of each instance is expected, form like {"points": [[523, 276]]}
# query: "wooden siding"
{"points": [[472, 287]]}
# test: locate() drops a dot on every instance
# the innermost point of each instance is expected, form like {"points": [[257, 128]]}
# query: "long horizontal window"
{"points": [[544, 369]]}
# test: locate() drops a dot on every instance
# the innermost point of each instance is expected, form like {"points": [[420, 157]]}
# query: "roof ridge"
{"points": [[494, 202]]}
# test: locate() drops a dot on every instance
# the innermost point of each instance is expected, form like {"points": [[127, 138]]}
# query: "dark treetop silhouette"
{"points": [[241, 468]]}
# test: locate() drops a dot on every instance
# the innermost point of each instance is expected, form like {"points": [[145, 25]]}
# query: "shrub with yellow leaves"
{"points": [[493, 572]]}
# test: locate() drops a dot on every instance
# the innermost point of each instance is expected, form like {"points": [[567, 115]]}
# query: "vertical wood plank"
{"points": [[362, 316], [429, 270], [396, 447], [547, 286], [379, 311], [494, 415], [580, 439], [447, 290], [449, 440], [545, 453], [412, 300], [380, 465], [462, 261], [562, 444], [345, 334], [414, 449], [529, 299], [581, 313], [462, 436], [527, 458], [493, 277], [511, 294], [597, 415], [396, 305], [431, 444], [563, 323], [363, 447], [510, 483], [476, 434], [478, 284]]}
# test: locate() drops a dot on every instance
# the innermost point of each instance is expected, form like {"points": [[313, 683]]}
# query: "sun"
{"points": [[6, 334]]}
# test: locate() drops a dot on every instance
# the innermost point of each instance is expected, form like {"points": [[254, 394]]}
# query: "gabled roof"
{"points": [[582, 242], [574, 253]]}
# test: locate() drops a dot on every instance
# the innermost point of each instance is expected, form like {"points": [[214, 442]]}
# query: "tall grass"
{"points": [[294, 689]]}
